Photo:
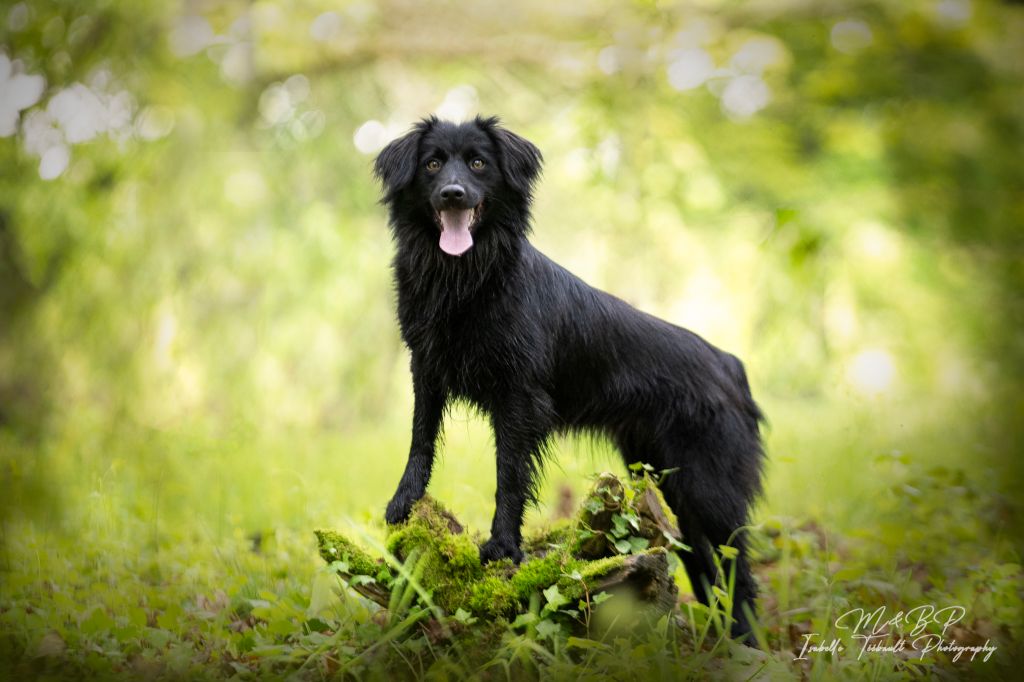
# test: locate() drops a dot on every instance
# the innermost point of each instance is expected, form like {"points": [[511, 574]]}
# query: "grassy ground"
{"points": [[175, 557]]}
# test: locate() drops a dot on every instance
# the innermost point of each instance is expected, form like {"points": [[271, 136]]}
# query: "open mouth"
{"points": [[457, 228]]}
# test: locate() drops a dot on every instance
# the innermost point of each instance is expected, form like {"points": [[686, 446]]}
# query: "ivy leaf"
{"points": [[638, 544], [547, 629], [675, 544], [464, 617], [360, 580], [623, 546], [524, 619], [554, 598]]}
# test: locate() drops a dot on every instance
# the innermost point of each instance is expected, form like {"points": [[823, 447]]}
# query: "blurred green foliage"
{"points": [[199, 359], [194, 272]]}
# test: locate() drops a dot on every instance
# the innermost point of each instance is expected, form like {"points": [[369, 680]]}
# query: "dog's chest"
{"points": [[465, 346]]}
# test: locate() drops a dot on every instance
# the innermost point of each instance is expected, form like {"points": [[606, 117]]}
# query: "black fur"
{"points": [[540, 351]]}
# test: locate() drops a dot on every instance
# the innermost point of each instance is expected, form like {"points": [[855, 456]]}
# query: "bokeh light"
{"points": [[851, 35], [872, 371]]}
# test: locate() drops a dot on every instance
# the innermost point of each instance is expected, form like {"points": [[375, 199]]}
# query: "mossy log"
{"points": [[618, 543]]}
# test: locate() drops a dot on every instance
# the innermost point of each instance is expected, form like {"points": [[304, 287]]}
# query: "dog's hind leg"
{"points": [[711, 512], [697, 560], [710, 503]]}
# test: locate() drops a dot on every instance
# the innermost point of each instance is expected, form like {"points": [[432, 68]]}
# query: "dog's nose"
{"points": [[453, 193]]}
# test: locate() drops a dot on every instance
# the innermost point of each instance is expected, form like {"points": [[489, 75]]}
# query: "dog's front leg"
{"points": [[519, 434], [426, 424]]}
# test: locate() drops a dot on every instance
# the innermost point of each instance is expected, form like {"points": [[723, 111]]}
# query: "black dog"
{"points": [[491, 320]]}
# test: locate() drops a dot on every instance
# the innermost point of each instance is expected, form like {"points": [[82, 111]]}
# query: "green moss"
{"points": [[592, 570], [559, 533], [459, 552], [493, 596], [336, 547], [431, 526], [589, 572], [449, 558], [536, 574]]}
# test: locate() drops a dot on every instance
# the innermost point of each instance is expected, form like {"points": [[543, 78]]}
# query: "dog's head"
{"points": [[459, 179]]}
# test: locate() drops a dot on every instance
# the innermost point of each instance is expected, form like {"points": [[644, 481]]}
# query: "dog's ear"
{"points": [[395, 166], [520, 158]]}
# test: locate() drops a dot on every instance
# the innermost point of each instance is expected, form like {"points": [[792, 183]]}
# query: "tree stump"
{"points": [[618, 543]]}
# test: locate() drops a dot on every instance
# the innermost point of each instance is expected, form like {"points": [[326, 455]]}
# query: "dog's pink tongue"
{"points": [[455, 237]]}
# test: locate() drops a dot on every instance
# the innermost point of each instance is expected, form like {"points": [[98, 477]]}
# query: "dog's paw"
{"points": [[497, 548], [398, 510]]}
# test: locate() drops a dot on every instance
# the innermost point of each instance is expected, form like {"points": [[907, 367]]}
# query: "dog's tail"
{"points": [[751, 416], [744, 398]]}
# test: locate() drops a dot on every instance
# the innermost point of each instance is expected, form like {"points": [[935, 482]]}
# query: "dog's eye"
{"points": [[477, 164], [433, 165]]}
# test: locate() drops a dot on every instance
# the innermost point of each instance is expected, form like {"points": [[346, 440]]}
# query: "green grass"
{"points": [[194, 557]]}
